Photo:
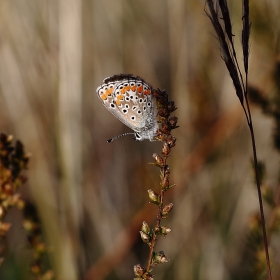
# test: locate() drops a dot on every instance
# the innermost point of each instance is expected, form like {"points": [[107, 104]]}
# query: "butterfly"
{"points": [[131, 100]]}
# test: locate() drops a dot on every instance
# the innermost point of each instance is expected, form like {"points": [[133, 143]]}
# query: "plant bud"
{"points": [[166, 128], [158, 159], [171, 141], [145, 228], [155, 198], [165, 149], [167, 209], [160, 136], [163, 112], [164, 230], [159, 258], [145, 237], [173, 122], [138, 270]]}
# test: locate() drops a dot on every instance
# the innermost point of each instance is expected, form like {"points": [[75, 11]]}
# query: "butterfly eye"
{"points": [[149, 104], [126, 106], [112, 105], [131, 96], [137, 136], [132, 118], [124, 111], [127, 98], [134, 108], [139, 112], [140, 100], [144, 108]]}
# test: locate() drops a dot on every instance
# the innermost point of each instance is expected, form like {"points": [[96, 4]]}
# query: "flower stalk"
{"points": [[148, 235]]}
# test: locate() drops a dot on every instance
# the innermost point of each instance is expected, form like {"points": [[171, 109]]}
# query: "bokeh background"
{"points": [[92, 196]]}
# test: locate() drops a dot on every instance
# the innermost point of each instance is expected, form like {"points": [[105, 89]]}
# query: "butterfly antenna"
{"points": [[119, 136]]}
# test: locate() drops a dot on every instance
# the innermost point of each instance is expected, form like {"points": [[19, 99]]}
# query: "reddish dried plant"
{"points": [[13, 160]]}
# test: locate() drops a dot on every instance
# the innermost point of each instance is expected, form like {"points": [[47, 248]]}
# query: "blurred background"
{"points": [[92, 196]]}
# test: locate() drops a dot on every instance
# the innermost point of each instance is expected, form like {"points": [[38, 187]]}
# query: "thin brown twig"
{"points": [[265, 239], [153, 242], [149, 236], [159, 218]]}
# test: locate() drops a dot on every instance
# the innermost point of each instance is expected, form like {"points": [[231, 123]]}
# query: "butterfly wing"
{"points": [[130, 100]]}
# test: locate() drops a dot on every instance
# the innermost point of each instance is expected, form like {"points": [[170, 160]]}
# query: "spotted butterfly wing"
{"points": [[130, 99]]}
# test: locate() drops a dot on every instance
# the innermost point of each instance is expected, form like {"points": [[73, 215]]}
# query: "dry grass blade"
{"points": [[241, 89], [245, 34], [226, 18], [226, 54]]}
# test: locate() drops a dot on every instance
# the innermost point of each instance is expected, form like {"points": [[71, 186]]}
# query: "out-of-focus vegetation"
{"points": [[91, 196]]}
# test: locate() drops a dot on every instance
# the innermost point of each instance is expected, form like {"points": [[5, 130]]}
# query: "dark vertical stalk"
{"points": [[223, 28], [159, 218], [153, 242], [250, 124]]}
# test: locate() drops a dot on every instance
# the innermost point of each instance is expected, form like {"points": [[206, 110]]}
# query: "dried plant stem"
{"points": [[159, 218], [148, 235], [250, 124], [247, 112], [223, 28], [153, 242]]}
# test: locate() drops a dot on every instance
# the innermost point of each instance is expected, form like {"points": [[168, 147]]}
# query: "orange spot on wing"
{"points": [[118, 102], [147, 92], [104, 96], [133, 88], [119, 97], [109, 91], [127, 88], [122, 90], [140, 89]]}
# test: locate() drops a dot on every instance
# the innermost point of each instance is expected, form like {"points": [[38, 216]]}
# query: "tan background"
{"points": [[92, 196]]}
